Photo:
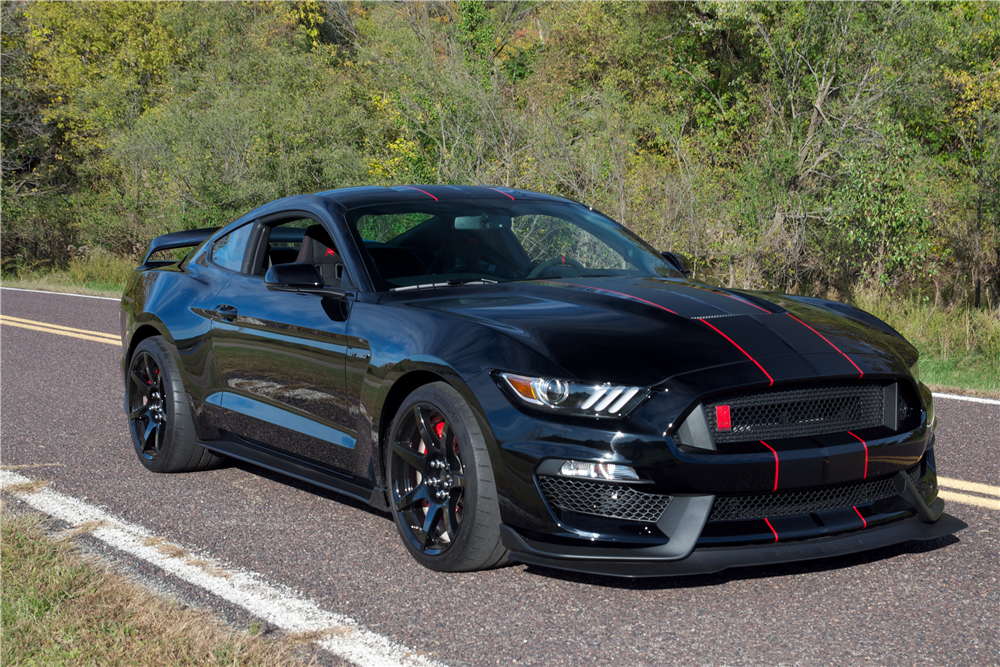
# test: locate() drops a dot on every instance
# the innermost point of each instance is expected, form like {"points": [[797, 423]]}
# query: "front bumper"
{"points": [[685, 521], [613, 562]]}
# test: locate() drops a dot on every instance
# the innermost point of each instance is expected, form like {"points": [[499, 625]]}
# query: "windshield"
{"points": [[469, 241]]}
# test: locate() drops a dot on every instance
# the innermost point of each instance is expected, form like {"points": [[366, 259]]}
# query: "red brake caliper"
{"points": [[439, 429]]}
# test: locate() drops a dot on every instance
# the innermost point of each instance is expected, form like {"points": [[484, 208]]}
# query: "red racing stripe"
{"points": [[735, 298], [862, 518], [829, 343], [775, 463], [772, 529], [866, 454], [410, 187], [627, 296], [503, 193], [741, 350]]}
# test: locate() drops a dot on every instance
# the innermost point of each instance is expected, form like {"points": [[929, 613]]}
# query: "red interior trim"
{"points": [[775, 463], [410, 187], [829, 343], [866, 454], [627, 296], [741, 350], [861, 517], [503, 193], [772, 529]]}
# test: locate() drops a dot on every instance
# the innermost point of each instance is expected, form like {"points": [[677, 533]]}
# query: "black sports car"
{"points": [[514, 376]]}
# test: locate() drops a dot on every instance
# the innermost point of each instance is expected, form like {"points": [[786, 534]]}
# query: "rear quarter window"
{"points": [[228, 251]]}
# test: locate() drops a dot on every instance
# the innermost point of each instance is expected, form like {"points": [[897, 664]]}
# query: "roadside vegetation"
{"points": [[844, 150], [60, 608]]}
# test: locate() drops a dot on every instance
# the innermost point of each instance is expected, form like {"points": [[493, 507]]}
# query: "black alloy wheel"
{"points": [[147, 407], [441, 488], [429, 482], [159, 412]]}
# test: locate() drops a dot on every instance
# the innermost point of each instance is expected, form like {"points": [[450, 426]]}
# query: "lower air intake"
{"points": [[607, 499], [730, 508]]}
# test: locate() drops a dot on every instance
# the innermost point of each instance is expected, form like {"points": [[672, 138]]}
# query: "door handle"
{"points": [[226, 313]]}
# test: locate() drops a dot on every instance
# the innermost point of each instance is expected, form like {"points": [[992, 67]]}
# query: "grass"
{"points": [[60, 608], [959, 345], [98, 274]]}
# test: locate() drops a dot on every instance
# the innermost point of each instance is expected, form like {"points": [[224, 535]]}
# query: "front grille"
{"points": [[729, 508], [798, 412], [607, 499]]}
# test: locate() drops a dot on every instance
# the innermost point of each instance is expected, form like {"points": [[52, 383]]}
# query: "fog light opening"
{"points": [[590, 470]]}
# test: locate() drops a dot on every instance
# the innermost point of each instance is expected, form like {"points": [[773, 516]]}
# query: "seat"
{"points": [[318, 249]]}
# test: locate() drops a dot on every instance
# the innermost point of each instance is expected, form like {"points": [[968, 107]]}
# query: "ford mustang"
{"points": [[514, 376]]}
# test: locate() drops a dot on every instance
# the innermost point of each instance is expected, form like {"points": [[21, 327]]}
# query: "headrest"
{"points": [[317, 247]]}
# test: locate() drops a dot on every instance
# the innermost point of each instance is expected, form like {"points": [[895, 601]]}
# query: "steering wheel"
{"points": [[560, 260]]}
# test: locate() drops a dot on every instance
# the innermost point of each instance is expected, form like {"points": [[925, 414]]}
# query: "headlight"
{"points": [[573, 398], [915, 372]]}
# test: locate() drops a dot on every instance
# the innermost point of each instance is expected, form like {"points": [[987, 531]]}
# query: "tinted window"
{"points": [[228, 251], [458, 241]]}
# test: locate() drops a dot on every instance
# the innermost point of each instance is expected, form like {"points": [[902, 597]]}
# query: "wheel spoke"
{"points": [[139, 413], [413, 496], [150, 374], [450, 519], [140, 384], [457, 481], [430, 523], [417, 461], [426, 432], [150, 430]]}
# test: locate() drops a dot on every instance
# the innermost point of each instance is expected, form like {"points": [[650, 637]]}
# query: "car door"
{"points": [[281, 356]]}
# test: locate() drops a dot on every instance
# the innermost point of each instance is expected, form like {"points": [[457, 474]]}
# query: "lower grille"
{"points": [[607, 499], [730, 508], [797, 412]]}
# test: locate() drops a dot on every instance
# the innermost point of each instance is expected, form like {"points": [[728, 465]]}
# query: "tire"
{"points": [[159, 414], [442, 492]]}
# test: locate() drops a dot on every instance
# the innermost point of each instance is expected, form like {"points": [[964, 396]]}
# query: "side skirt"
{"points": [[265, 457]]}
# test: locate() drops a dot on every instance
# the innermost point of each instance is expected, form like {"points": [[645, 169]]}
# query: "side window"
{"points": [[284, 242], [228, 251]]}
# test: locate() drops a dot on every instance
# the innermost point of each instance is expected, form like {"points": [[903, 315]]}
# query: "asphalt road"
{"points": [[932, 603]]}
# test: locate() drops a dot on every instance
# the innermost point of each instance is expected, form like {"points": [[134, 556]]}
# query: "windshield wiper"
{"points": [[449, 283]]}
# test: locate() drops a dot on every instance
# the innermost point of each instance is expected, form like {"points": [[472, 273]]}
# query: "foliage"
{"points": [[805, 146]]}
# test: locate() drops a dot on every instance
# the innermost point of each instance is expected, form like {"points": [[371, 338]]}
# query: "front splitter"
{"points": [[706, 561]]}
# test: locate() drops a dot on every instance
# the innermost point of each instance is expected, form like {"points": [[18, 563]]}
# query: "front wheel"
{"points": [[442, 491], [159, 414]]}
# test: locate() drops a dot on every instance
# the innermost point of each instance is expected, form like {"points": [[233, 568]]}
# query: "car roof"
{"points": [[375, 194]]}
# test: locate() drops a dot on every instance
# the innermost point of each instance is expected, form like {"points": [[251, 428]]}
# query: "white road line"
{"points": [[971, 399], [42, 291], [275, 604]]}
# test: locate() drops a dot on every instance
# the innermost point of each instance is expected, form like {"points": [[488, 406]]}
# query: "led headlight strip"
{"points": [[573, 398]]}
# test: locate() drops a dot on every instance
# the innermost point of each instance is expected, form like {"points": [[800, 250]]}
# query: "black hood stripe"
{"points": [[862, 373]]}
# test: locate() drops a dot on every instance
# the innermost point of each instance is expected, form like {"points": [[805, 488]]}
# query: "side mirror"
{"points": [[297, 277], [679, 262]]}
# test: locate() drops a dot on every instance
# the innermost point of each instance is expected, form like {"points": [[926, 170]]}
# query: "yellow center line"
{"points": [[978, 501], [47, 325], [974, 487], [99, 339]]}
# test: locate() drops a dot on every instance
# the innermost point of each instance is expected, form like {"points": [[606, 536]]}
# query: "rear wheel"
{"points": [[159, 413], [442, 490]]}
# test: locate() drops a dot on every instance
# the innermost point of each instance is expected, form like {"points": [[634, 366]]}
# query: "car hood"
{"points": [[649, 331]]}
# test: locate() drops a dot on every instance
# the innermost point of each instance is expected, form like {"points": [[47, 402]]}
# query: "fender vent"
{"points": [[730, 508], [608, 499]]}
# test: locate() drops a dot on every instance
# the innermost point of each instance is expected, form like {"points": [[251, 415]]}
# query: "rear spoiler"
{"points": [[186, 239]]}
